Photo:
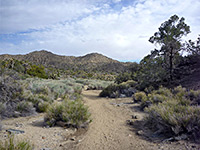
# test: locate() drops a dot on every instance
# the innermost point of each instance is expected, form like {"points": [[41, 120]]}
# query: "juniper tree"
{"points": [[169, 38]]}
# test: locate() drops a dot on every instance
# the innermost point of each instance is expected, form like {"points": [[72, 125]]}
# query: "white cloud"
{"points": [[79, 27]]}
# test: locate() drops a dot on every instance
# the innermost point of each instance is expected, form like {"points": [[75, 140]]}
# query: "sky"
{"points": [[119, 29]]}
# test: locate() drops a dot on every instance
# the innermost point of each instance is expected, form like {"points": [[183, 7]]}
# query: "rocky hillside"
{"points": [[90, 62]]}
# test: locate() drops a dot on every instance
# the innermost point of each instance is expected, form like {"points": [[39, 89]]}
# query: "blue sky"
{"points": [[119, 29]]}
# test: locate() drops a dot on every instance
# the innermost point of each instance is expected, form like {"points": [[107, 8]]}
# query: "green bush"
{"points": [[108, 91], [43, 106], [72, 113], [37, 71], [11, 144], [115, 90], [123, 77], [24, 106], [157, 98], [2, 107], [163, 94], [139, 96], [172, 112], [174, 117]]}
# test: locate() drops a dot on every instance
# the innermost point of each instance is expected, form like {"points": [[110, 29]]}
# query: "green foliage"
{"points": [[2, 107], [139, 96], [171, 112], [193, 47], [43, 106], [164, 94], [107, 92], [37, 71], [11, 144], [173, 117], [169, 38], [72, 113], [24, 106], [151, 72], [114, 90], [123, 77]]}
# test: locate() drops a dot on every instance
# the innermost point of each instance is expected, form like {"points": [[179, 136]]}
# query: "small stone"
{"points": [[16, 114], [14, 131], [43, 137], [129, 122], [72, 138], [182, 137], [193, 146], [61, 123], [140, 132], [130, 135], [161, 147], [134, 117]]}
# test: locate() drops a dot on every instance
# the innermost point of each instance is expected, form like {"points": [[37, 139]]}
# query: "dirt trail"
{"points": [[109, 131]]}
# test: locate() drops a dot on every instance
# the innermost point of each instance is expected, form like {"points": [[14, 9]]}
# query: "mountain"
{"points": [[89, 62]]}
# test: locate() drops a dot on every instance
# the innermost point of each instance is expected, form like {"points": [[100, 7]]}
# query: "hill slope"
{"points": [[89, 62]]}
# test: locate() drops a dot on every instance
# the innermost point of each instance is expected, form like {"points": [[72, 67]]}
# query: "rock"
{"points": [[16, 114], [140, 132], [18, 125], [45, 149], [129, 122], [135, 117], [161, 147], [193, 146], [181, 137], [122, 96], [14, 131], [72, 138], [85, 87], [59, 99], [43, 137], [61, 123]]}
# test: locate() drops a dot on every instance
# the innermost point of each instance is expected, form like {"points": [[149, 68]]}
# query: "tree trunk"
{"points": [[171, 64]]}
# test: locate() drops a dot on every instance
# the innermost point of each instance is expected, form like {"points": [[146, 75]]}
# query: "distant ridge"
{"points": [[89, 62]]}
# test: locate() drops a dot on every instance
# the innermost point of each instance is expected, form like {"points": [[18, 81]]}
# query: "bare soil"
{"points": [[108, 131]]}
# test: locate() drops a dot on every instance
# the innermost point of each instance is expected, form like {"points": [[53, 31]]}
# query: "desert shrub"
{"points": [[139, 96], [0, 125], [123, 77], [127, 89], [11, 144], [157, 98], [78, 89], [37, 71], [25, 108], [108, 91], [45, 98], [163, 91], [43, 106], [42, 90], [12, 99], [2, 107], [163, 94], [72, 113], [174, 117], [194, 96]]}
